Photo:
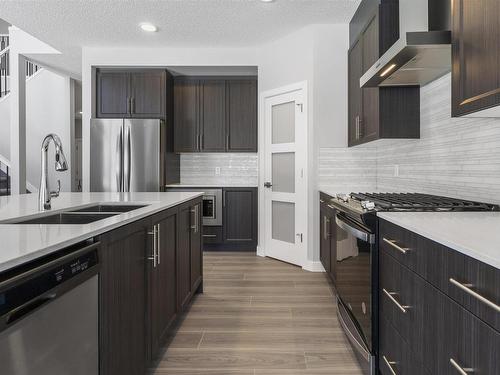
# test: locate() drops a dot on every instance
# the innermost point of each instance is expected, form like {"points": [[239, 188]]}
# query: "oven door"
{"points": [[355, 246]]}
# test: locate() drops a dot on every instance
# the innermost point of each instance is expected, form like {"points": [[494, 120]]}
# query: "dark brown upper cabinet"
{"points": [[131, 93], [113, 93], [475, 57], [148, 94], [215, 114], [186, 115], [242, 116], [375, 113]]}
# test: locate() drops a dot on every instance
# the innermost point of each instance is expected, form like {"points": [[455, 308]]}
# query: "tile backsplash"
{"points": [[235, 169], [458, 157]]}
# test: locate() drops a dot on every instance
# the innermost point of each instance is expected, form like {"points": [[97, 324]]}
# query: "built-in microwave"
{"points": [[212, 207]]}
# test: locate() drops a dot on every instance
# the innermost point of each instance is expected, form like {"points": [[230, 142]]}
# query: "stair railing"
{"points": [[5, 188], [31, 67], [4, 65]]}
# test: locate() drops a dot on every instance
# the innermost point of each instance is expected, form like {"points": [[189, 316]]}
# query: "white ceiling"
{"points": [[70, 25]]}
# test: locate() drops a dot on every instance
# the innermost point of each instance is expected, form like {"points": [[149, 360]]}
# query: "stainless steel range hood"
{"points": [[423, 51]]}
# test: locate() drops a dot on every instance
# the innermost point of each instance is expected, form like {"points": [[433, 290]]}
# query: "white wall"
{"points": [[47, 111]]}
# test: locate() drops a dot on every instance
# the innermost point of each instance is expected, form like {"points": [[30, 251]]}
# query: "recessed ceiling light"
{"points": [[267, 1], [149, 27]]}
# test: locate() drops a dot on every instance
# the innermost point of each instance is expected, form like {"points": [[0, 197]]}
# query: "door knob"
{"points": [[267, 184]]}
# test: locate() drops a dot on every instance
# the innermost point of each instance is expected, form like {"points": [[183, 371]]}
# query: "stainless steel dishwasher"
{"points": [[49, 316]]}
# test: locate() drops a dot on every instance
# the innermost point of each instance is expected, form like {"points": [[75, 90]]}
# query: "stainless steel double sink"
{"points": [[83, 215]]}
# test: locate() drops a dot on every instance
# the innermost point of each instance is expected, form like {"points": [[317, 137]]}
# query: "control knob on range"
{"points": [[367, 205]]}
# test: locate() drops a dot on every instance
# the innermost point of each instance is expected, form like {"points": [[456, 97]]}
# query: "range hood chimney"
{"points": [[423, 51]]}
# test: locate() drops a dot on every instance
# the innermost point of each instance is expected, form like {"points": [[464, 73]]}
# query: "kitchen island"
{"points": [[21, 243], [150, 262]]}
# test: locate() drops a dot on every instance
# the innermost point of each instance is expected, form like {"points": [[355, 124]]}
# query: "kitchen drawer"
{"points": [[402, 299], [395, 355], [212, 234], [434, 327], [446, 268], [454, 337], [477, 288]]}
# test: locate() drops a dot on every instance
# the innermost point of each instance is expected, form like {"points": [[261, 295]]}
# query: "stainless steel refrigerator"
{"points": [[127, 155]]}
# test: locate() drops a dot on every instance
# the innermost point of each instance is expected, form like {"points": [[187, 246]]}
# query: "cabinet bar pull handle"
{"points": [[209, 235], [158, 242], [389, 365], [154, 257], [326, 233], [403, 250], [395, 301], [462, 371], [467, 289], [195, 212]]}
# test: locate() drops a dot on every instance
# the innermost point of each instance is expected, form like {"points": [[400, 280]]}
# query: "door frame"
{"points": [[299, 86]]}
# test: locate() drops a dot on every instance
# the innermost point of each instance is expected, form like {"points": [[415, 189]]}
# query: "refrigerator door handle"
{"points": [[127, 159], [119, 153]]}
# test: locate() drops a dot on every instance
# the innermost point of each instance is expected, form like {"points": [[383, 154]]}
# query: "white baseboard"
{"points": [[313, 266], [260, 252]]}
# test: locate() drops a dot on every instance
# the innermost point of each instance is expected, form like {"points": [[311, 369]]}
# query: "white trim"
{"points": [[263, 96], [261, 252], [31, 188], [4, 160], [5, 97], [313, 266]]}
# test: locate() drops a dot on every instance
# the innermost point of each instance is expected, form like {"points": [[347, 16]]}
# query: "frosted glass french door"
{"points": [[285, 192]]}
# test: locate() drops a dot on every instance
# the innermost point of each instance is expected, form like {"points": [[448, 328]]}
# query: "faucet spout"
{"points": [[44, 193]]}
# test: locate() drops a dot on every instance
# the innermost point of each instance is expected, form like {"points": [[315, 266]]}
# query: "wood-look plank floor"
{"points": [[259, 316]]}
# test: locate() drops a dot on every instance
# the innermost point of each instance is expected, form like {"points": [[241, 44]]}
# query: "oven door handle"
{"points": [[356, 232]]}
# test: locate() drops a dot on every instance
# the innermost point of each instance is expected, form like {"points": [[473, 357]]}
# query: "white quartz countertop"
{"points": [[208, 185], [476, 234], [20, 243]]}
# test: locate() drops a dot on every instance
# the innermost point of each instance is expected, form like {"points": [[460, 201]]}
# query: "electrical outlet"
{"points": [[217, 171], [396, 170]]}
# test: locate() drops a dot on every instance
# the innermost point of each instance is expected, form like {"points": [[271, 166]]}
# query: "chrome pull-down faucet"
{"points": [[44, 194]]}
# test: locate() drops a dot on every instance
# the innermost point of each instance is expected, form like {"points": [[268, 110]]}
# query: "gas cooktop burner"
{"points": [[420, 202]]}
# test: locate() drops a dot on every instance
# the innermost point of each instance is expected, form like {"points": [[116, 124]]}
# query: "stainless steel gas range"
{"points": [[356, 267]]}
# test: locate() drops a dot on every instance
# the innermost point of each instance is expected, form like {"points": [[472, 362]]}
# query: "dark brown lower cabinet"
{"points": [[196, 247], [328, 240], [122, 300], [183, 257], [162, 279], [240, 217], [150, 269], [424, 326], [189, 253]]}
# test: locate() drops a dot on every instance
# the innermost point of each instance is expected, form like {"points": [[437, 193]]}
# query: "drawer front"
{"points": [[212, 234], [456, 340], [395, 355], [438, 332], [401, 300], [471, 283], [477, 288]]}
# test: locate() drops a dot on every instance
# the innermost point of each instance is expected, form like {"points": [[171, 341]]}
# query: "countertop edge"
{"points": [[92, 233], [466, 250]]}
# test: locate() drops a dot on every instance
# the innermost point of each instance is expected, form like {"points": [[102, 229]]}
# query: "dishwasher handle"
{"points": [[23, 310]]}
